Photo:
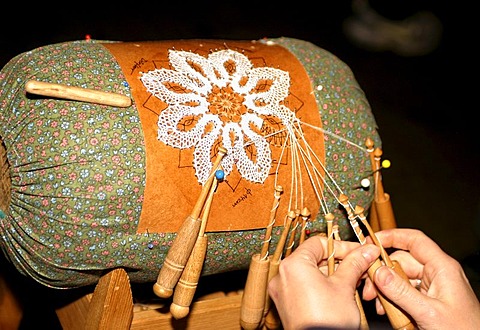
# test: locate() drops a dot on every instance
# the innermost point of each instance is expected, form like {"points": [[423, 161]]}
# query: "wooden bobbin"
{"points": [[397, 318], [269, 228], [373, 216], [291, 237], [359, 213], [253, 300], [351, 217], [305, 217], [187, 285], [394, 264], [330, 250], [255, 294], [77, 94], [272, 320], [363, 318], [383, 204], [184, 242]]}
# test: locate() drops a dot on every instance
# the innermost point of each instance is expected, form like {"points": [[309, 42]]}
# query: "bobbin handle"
{"points": [[398, 319], [177, 257], [292, 233], [277, 254], [272, 319], [384, 210], [253, 299], [77, 93], [187, 285]]}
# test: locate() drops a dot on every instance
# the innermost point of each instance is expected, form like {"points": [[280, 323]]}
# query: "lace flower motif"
{"points": [[220, 98]]}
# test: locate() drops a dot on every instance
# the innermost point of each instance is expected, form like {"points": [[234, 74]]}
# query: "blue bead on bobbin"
{"points": [[219, 175]]}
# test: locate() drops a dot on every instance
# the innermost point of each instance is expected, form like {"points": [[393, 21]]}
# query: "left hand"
{"points": [[306, 297]]}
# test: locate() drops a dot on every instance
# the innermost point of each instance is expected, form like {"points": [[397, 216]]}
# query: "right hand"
{"points": [[444, 300]]}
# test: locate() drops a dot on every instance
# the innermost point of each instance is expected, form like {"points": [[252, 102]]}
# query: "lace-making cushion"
{"points": [[94, 187]]}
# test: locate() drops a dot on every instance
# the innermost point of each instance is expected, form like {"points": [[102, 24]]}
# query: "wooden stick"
{"points": [[291, 237], [184, 242], [397, 318], [359, 213], [373, 216], [187, 285], [305, 216], [356, 228], [363, 318], [395, 265], [358, 300], [277, 255], [383, 205], [77, 94], [271, 222], [331, 253], [272, 320]]}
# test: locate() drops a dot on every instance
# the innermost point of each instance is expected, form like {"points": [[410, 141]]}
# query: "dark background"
{"points": [[424, 104]]}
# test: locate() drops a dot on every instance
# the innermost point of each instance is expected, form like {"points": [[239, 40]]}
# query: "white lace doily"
{"points": [[221, 96]]}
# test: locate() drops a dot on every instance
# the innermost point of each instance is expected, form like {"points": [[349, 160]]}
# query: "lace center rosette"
{"points": [[220, 99]]}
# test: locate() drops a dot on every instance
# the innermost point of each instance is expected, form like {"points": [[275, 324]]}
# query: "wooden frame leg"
{"points": [[110, 306]]}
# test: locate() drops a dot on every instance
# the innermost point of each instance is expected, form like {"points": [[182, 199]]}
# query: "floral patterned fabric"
{"points": [[78, 169]]}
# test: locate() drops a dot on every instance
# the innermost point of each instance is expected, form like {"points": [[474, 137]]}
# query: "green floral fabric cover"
{"points": [[78, 169]]}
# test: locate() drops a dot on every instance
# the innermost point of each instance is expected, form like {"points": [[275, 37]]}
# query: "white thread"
{"points": [[335, 135], [267, 240]]}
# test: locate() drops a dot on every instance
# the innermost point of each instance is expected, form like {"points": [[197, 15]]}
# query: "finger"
{"points": [[312, 251], [379, 307], [422, 248], [343, 248], [315, 249], [369, 291], [401, 292], [411, 267], [355, 264]]}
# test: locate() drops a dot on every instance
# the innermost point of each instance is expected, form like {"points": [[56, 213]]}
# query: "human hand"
{"points": [[444, 298], [306, 297]]}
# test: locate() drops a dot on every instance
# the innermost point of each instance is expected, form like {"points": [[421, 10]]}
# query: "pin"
{"points": [[150, 244], [219, 175], [365, 183]]}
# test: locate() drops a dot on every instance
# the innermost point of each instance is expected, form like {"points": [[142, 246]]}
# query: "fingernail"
{"points": [[370, 253], [383, 275]]}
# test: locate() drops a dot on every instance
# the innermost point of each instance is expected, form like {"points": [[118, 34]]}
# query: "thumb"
{"points": [[400, 291], [356, 263]]}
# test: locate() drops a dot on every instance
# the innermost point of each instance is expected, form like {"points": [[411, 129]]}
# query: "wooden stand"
{"points": [[111, 306]]}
